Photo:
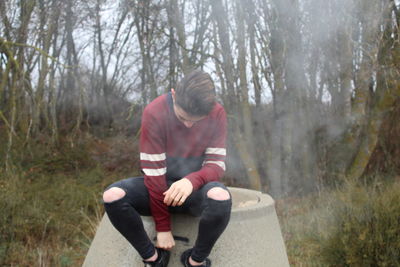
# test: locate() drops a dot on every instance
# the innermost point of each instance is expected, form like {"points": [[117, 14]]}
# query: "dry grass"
{"points": [[355, 225], [47, 221]]}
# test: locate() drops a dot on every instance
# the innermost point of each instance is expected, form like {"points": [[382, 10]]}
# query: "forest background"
{"points": [[311, 89]]}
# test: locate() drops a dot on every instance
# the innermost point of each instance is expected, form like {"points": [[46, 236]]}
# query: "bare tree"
{"points": [[305, 83]]}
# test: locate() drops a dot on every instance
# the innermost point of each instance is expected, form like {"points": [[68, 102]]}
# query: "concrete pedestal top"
{"points": [[252, 238]]}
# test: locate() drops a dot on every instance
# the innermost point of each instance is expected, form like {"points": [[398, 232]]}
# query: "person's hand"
{"points": [[165, 240], [178, 192]]}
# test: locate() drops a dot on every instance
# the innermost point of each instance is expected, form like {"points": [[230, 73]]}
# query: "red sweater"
{"points": [[171, 151]]}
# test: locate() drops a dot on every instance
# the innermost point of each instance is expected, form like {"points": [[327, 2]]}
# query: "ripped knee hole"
{"points": [[218, 193], [113, 194]]}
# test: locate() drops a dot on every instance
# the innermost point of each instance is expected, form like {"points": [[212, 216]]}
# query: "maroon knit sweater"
{"points": [[171, 151]]}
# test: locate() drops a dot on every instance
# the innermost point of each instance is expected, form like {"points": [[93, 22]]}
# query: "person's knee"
{"points": [[218, 193], [113, 194]]}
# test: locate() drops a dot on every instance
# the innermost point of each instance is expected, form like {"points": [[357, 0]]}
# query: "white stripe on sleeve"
{"points": [[219, 163], [216, 150], [152, 157], [155, 172]]}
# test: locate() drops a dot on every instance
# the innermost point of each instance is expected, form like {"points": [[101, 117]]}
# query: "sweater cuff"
{"points": [[163, 228], [193, 178]]}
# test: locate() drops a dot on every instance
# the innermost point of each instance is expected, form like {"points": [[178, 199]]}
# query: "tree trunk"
{"points": [[218, 11], [175, 20], [387, 92], [247, 119]]}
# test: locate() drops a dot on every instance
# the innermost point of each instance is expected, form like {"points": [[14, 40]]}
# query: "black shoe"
{"points": [[162, 259], [185, 259]]}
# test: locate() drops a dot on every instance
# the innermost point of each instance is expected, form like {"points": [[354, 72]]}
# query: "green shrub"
{"points": [[366, 227]]}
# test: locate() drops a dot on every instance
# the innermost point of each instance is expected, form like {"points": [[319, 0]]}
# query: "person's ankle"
{"points": [[153, 258], [195, 263]]}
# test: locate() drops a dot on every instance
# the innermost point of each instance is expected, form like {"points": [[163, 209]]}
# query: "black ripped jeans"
{"points": [[125, 213]]}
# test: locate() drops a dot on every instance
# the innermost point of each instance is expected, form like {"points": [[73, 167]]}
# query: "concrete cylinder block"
{"points": [[252, 238]]}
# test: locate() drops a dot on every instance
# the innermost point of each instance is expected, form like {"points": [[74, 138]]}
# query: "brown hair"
{"points": [[195, 93]]}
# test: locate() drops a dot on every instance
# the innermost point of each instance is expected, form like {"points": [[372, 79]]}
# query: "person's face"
{"points": [[187, 119]]}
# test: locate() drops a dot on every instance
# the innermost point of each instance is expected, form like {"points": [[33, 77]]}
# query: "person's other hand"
{"points": [[165, 240], [178, 192]]}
